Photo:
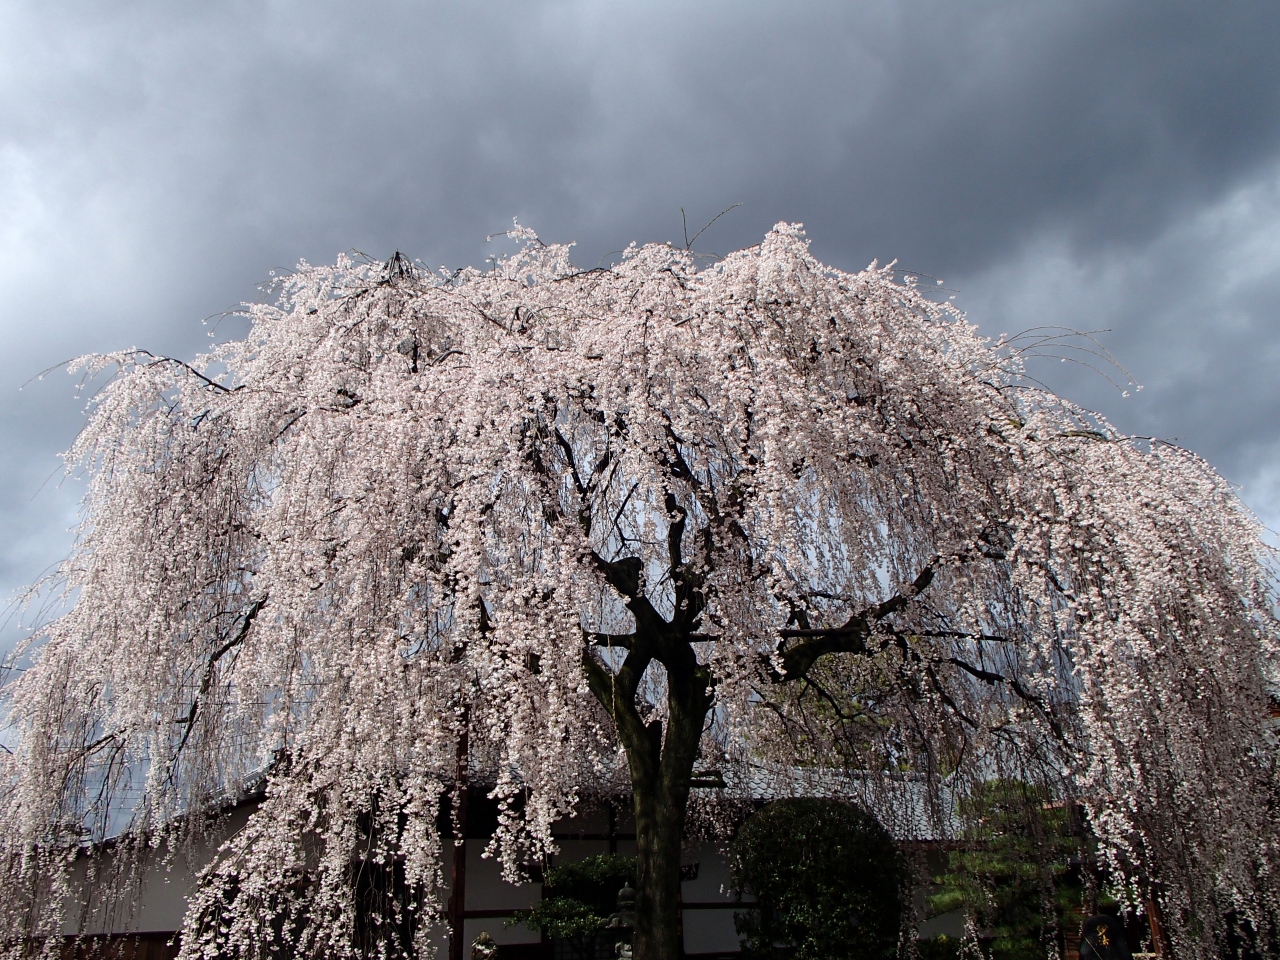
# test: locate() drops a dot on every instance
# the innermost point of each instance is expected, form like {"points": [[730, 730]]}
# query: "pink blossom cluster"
{"points": [[395, 508]]}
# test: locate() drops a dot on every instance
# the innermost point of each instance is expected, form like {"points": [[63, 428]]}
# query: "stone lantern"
{"points": [[620, 925]]}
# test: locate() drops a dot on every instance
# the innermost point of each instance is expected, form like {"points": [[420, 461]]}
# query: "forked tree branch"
{"points": [[852, 637], [206, 681]]}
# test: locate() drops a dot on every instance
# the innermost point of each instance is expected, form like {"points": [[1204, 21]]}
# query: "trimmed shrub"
{"points": [[829, 880]]}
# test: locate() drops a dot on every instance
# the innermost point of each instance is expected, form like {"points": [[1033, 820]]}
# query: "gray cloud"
{"points": [[1082, 163], [1192, 314]]}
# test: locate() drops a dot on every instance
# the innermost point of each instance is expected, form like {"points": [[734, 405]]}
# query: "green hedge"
{"points": [[1017, 861], [578, 897], [829, 880]]}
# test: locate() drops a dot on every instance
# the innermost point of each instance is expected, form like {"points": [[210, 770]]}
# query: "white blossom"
{"points": [[404, 502]]}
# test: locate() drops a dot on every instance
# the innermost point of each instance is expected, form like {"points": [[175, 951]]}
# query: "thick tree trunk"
{"points": [[658, 835], [661, 769], [661, 766]]}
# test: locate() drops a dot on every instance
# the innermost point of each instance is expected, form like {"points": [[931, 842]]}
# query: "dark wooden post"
{"points": [[1159, 942], [458, 902]]}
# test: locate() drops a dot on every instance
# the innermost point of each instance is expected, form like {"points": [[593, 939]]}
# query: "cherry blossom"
{"points": [[646, 529]]}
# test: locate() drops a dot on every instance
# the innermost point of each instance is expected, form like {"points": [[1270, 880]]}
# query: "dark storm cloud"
{"points": [[1193, 314], [1089, 164]]}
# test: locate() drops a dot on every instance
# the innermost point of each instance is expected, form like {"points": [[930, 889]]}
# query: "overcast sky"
{"points": [[1101, 166]]}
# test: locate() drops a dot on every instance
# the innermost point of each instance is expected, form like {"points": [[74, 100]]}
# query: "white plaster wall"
{"points": [[707, 929], [165, 885]]}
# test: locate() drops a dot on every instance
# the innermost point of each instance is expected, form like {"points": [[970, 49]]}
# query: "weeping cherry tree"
{"points": [[648, 529]]}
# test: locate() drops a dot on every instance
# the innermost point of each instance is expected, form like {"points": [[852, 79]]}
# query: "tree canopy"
{"points": [[650, 527]]}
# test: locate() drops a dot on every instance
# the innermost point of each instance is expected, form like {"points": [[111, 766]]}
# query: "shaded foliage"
{"points": [[1017, 873], [829, 880], [578, 897]]}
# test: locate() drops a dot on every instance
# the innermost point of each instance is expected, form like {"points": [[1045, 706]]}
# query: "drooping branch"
{"points": [[206, 681], [623, 641], [157, 360], [1013, 684], [852, 637]]}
